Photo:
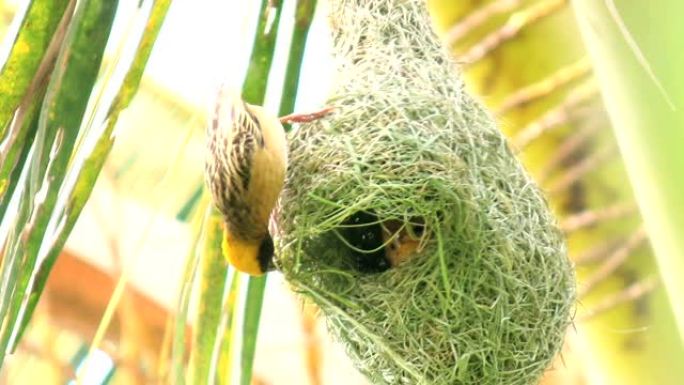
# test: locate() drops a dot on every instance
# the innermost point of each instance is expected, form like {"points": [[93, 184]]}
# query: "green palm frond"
{"points": [[56, 59]]}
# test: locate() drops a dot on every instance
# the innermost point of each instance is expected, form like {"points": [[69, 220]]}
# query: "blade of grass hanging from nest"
{"points": [[59, 124], [643, 90], [91, 167]]}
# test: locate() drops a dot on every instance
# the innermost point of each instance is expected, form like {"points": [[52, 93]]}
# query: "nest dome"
{"points": [[411, 166]]}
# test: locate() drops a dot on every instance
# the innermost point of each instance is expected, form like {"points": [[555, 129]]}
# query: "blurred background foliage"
{"points": [[124, 294], [527, 61]]}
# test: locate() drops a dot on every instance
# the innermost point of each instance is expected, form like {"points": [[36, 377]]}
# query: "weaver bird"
{"points": [[403, 240], [245, 171]]}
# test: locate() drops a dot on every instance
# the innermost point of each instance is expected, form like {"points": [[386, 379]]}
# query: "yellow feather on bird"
{"points": [[245, 172]]}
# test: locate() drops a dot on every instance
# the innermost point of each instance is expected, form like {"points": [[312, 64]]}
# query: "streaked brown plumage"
{"points": [[245, 171]]}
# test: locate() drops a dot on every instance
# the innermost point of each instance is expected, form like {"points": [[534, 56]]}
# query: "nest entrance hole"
{"points": [[376, 245]]}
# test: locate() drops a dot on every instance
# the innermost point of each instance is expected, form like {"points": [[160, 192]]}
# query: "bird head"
{"points": [[253, 258]]}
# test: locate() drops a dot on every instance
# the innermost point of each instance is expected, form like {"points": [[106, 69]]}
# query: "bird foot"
{"points": [[306, 118]]}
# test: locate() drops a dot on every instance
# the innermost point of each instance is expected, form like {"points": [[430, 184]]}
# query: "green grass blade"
{"points": [[212, 284], [250, 329], [185, 294], [65, 103], [190, 204], [303, 17], [87, 175], [256, 286], [649, 131], [223, 375], [30, 45], [38, 61], [12, 161], [254, 91], [69, 90], [254, 86], [134, 76]]}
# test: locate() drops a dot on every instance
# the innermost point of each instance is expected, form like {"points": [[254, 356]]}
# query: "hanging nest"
{"points": [[409, 222]]}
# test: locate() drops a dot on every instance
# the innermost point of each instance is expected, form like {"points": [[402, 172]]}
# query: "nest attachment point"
{"points": [[409, 222]]}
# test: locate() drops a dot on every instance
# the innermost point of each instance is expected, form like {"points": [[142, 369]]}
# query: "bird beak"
{"points": [[266, 254]]}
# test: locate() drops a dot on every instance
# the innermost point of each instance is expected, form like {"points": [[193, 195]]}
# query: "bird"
{"points": [[402, 239], [245, 172]]}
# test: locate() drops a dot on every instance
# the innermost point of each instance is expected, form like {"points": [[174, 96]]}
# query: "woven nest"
{"points": [[408, 221]]}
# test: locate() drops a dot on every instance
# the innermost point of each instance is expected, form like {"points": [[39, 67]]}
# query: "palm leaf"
{"points": [[59, 174]]}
